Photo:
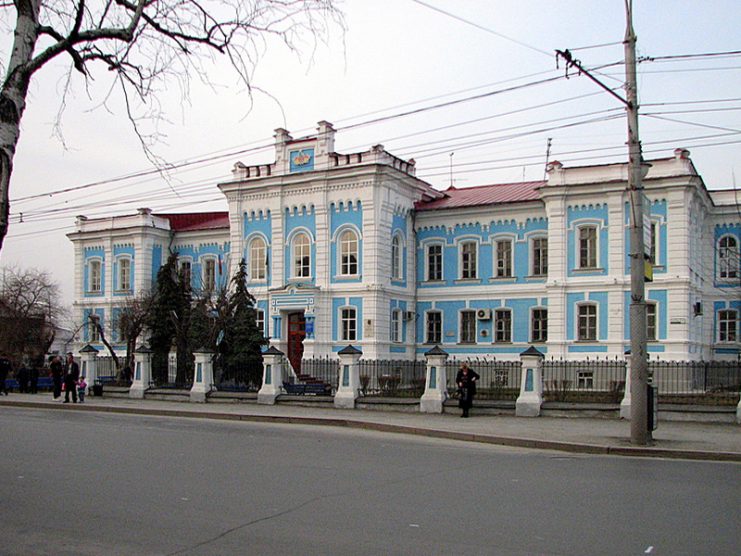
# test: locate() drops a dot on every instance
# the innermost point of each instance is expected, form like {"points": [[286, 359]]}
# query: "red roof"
{"points": [[192, 221], [484, 195]]}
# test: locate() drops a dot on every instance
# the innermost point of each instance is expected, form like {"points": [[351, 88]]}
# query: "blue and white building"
{"points": [[355, 249]]}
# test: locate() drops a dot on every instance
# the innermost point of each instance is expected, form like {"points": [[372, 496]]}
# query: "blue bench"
{"points": [[43, 383], [102, 380], [304, 389]]}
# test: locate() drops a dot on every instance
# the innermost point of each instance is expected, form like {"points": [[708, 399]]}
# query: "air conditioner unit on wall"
{"points": [[483, 314], [410, 315]]}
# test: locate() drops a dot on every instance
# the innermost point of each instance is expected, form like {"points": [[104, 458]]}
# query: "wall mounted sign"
{"points": [[302, 160]]}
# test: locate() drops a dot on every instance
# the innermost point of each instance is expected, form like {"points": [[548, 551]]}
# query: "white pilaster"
{"points": [[142, 372], [89, 360], [436, 391], [531, 384], [349, 379], [203, 379], [272, 376]]}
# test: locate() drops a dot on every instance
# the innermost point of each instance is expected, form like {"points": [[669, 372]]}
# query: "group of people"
{"points": [[67, 377]]}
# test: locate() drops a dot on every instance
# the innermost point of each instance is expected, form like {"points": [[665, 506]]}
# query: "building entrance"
{"points": [[296, 335]]}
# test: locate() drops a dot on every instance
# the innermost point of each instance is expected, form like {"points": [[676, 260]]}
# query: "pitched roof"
{"points": [[484, 195], [192, 221]]}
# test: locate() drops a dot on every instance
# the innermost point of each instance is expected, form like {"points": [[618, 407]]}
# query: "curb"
{"points": [[514, 442]]}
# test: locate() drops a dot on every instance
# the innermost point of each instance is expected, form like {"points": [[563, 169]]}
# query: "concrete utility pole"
{"points": [[639, 433]]}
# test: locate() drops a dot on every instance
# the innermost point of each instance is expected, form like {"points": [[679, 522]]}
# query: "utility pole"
{"points": [[639, 433]]}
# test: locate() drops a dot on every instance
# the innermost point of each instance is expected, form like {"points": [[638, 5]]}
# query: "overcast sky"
{"points": [[395, 56]]}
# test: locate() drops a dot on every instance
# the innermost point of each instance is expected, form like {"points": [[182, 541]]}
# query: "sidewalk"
{"points": [[703, 441]]}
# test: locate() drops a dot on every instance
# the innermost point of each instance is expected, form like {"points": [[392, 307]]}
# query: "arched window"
{"points": [[208, 275], [348, 253], [95, 276], [396, 261], [258, 260], [124, 274], [301, 256], [728, 257]]}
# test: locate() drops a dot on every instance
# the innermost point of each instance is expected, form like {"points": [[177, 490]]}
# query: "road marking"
{"points": [[185, 499], [413, 525], [649, 550]]}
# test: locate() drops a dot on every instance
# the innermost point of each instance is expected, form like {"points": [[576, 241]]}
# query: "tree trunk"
{"points": [[13, 98]]}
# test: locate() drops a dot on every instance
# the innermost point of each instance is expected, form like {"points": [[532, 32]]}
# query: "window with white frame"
{"points": [[260, 320], [349, 324], [301, 256], [124, 274], [396, 258], [186, 267], [468, 327], [348, 253], [468, 259], [728, 325], [435, 261], [651, 322], [539, 325], [652, 248], [95, 276], [585, 380], [503, 325], [396, 320], [587, 246], [258, 259], [208, 274], [587, 322], [93, 330], [728, 258], [504, 258], [540, 256], [434, 327], [120, 327]]}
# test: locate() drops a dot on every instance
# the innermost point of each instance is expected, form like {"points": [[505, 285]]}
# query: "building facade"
{"points": [[354, 249]]}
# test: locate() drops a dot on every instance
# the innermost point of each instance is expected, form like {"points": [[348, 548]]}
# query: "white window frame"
{"points": [[579, 317], [543, 270], [507, 267], [428, 339], [348, 316], [96, 263], [182, 262], [208, 280], [93, 332], [467, 336], [503, 335], [728, 258], [543, 329], [123, 285], [258, 258], [397, 257], [595, 247], [653, 251], [260, 320], [441, 246], [727, 326], [298, 268], [652, 321], [396, 323], [349, 246], [471, 269]]}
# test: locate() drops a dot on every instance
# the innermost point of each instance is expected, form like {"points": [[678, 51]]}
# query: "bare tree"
{"points": [[145, 43], [29, 312], [132, 321]]}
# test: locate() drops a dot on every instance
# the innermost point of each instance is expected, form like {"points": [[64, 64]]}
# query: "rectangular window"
{"points": [[209, 274], [434, 327], [727, 328], [539, 325], [468, 327], [396, 326], [260, 320], [435, 262], [348, 253], [349, 325], [185, 272], [587, 323], [94, 278], [504, 258], [468, 260], [396, 258], [728, 257], [652, 247], [94, 332], [257, 259], [588, 247], [540, 256], [503, 325], [585, 380], [124, 274], [651, 335]]}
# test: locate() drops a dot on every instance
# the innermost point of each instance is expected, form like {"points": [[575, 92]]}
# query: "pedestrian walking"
{"points": [[5, 368], [57, 371], [71, 376], [466, 381], [81, 387]]}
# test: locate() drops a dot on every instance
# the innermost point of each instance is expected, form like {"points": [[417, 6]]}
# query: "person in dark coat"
{"points": [[57, 371], [71, 376], [466, 381], [22, 377], [5, 368], [34, 379]]}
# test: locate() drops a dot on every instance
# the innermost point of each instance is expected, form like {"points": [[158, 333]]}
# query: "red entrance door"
{"points": [[296, 335]]}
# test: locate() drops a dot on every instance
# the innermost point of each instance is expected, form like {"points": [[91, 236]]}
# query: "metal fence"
{"points": [[246, 377], [165, 374], [321, 369], [500, 380], [698, 382], [588, 381], [106, 367], [392, 378]]}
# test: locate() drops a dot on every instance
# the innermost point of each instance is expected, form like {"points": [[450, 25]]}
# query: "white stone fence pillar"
{"points": [[349, 379], [531, 384], [142, 372], [272, 376], [436, 382], [203, 376], [625, 403], [89, 362]]}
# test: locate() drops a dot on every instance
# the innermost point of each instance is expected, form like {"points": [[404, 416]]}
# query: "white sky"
{"points": [[396, 55]]}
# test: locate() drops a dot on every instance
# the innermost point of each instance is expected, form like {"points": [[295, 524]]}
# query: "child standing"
{"points": [[81, 387]]}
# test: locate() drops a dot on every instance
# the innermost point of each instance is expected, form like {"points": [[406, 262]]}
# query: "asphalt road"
{"points": [[86, 483]]}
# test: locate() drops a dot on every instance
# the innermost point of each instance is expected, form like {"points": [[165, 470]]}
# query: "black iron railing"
{"points": [[587, 381], [320, 370], [245, 377], [392, 378], [500, 380], [696, 382]]}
